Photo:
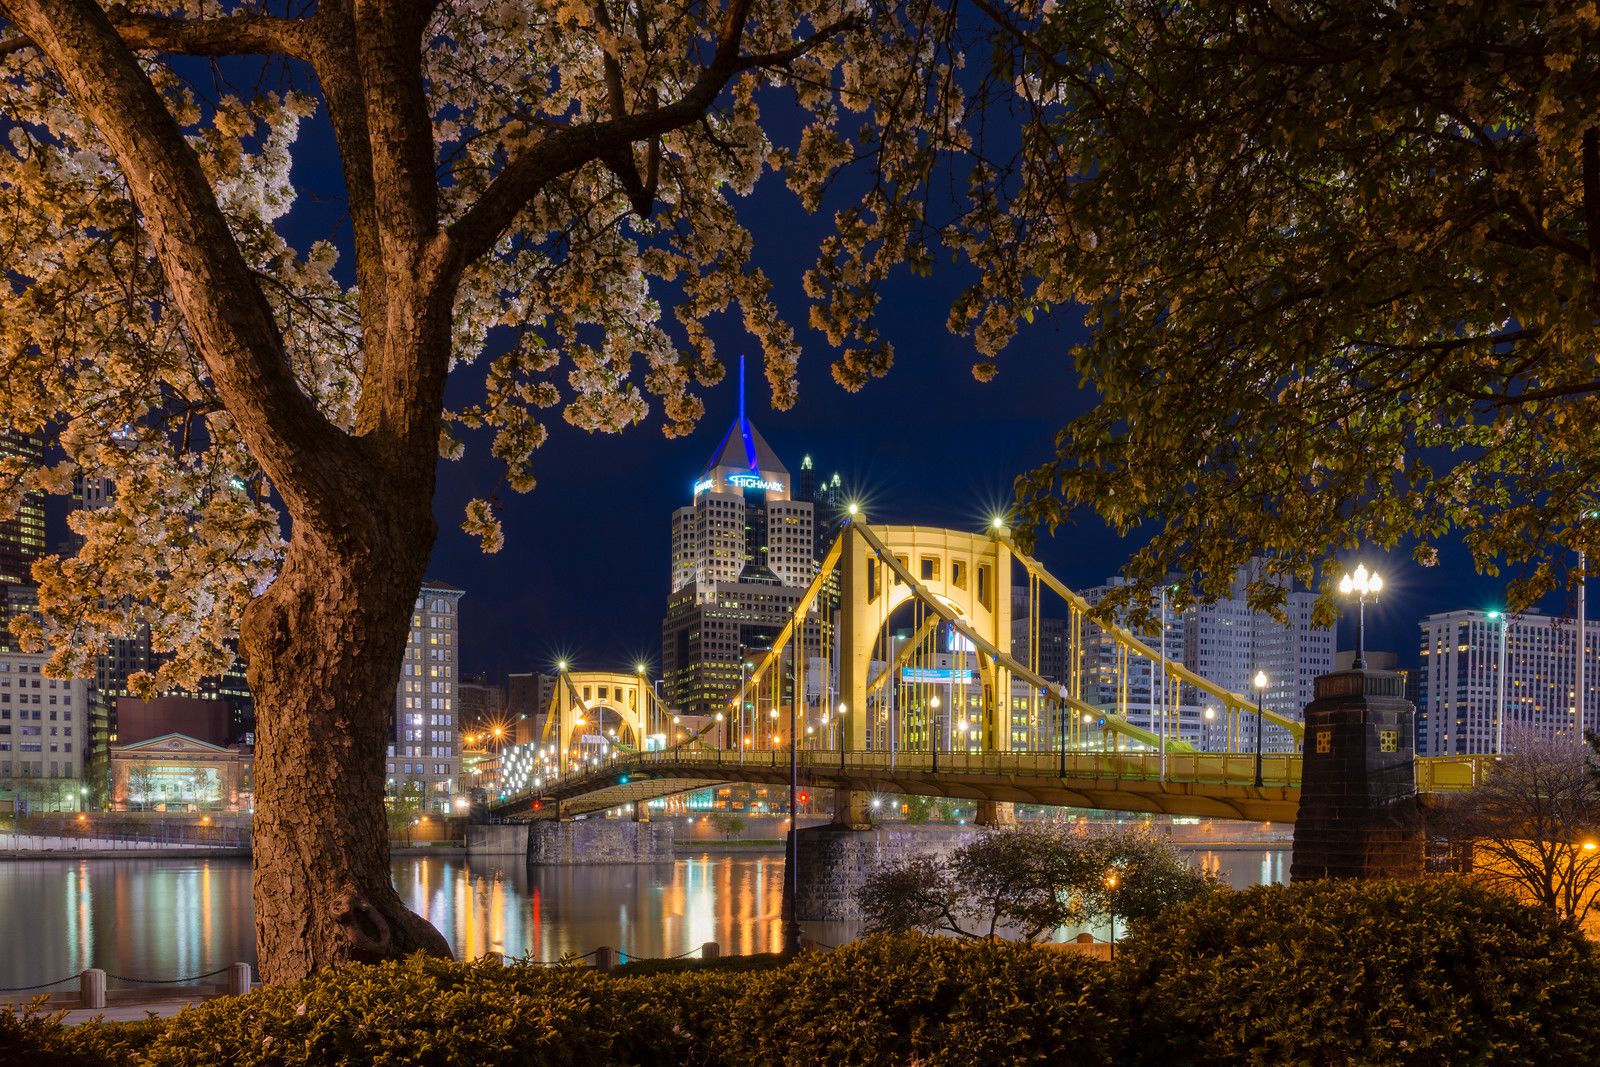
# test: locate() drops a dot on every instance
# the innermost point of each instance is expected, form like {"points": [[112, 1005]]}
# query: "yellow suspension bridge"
{"points": [[860, 711]]}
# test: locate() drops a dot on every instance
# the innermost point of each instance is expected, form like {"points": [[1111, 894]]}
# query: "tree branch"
{"points": [[1591, 203], [232, 35], [211, 284], [476, 231]]}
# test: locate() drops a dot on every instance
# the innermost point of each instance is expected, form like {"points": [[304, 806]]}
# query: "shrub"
{"points": [[760, 961], [909, 998], [36, 1037], [1327, 973], [1371, 972], [415, 1011]]}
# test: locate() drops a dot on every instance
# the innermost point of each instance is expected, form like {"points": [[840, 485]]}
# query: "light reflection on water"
{"points": [[170, 918]]}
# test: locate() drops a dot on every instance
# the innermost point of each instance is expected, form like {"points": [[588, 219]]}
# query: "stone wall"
{"points": [[552, 843], [835, 862], [502, 839]]}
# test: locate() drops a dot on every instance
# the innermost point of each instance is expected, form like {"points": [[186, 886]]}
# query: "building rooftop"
{"points": [[743, 447]]}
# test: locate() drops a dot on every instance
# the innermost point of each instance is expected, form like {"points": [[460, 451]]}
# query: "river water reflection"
{"points": [[162, 919]]}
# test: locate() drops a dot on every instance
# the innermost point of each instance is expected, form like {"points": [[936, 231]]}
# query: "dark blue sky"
{"points": [[584, 571]]}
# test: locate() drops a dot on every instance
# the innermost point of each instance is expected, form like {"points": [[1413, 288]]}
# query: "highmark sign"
{"points": [[743, 481]]}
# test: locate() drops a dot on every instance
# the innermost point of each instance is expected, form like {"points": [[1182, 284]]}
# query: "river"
{"points": [[176, 918]]}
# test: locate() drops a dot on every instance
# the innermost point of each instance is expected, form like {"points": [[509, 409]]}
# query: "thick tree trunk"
{"points": [[324, 648]]}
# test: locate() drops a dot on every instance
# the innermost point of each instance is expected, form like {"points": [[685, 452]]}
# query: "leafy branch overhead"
{"points": [[1341, 263], [543, 179]]}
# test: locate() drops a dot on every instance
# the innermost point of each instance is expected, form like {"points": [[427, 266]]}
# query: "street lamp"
{"points": [[1210, 714], [1363, 584], [841, 735], [744, 665], [1111, 887], [1261, 686], [933, 732], [1500, 685]]}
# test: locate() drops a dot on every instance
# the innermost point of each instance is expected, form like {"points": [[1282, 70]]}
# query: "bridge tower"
{"points": [[969, 577], [1358, 816]]}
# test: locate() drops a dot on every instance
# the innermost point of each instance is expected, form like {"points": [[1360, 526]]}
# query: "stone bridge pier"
{"points": [[1359, 815]]}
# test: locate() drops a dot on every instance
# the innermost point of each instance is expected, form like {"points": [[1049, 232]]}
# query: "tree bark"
{"points": [[324, 647]]}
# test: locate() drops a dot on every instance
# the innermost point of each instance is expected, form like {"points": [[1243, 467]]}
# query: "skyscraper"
{"points": [[1226, 642], [22, 535], [743, 552]]}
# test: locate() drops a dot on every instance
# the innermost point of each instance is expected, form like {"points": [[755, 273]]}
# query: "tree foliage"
{"points": [[1341, 264], [1029, 880], [526, 188], [1534, 824], [549, 175]]}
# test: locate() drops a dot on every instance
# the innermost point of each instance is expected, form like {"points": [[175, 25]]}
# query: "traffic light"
{"points": [[623, 780], [538, 805], [805, 798]]}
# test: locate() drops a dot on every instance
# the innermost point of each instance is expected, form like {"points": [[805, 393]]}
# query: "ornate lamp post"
{"points": [[1363, 584], [1261, 687]]}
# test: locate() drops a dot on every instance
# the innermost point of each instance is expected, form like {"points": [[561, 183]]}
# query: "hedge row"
{"points": [[1430, 973]]}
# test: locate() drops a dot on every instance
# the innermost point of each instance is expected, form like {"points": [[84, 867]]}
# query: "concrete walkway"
{"points": [[130, 1013]]}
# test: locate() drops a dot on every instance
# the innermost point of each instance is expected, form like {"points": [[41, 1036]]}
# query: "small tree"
{"points": [[404, 807], [1031, 879], [138, 787], [1533, 824], [918, 809], [728, 824]]}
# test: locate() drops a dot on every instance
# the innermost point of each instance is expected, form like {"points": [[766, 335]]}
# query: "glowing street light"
{"points": [[1260, 681], [1363, 584]]}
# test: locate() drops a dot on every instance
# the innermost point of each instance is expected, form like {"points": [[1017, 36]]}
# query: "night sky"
{"points": [[584, 572]]}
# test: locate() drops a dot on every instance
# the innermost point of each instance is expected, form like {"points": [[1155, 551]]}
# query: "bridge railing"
{"points": [[1434, 774], [1446, 774], [1278, 770]]}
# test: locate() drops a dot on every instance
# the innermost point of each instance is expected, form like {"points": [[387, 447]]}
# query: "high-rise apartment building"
{"points": [[44, 732], [743, 552], [1485, 676], [425, 748], [1226, 642], [22, 535]]}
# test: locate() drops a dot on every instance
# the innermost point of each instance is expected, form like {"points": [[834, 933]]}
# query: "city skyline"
{"points": [[530, 610]]}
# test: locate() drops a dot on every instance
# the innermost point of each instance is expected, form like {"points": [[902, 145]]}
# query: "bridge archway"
{"points": [[611, 708], [969, 574]]}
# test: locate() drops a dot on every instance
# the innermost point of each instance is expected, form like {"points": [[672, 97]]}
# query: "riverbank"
{"points": [[74, 849]]}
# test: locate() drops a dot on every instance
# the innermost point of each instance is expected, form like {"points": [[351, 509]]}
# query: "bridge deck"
{"points": [[1217, 785]]}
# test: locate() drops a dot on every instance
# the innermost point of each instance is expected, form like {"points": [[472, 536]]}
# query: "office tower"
{"points": [[743, 553], [22, 534], [425, 751]]}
